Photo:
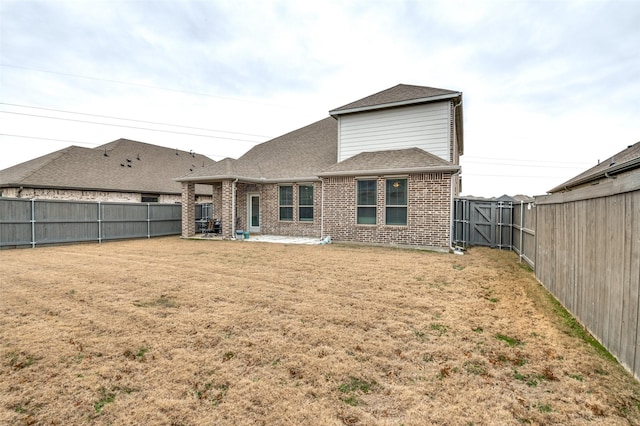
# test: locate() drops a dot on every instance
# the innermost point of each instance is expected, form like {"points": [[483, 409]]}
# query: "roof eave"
{"points": [[339, 111], [246, 179], [614, 170], [393, 171]]}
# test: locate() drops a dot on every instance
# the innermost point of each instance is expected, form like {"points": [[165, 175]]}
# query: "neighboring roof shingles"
{"points": [[300, 154], [402, 93], [390, 161], [627, 158], [129, 166]]}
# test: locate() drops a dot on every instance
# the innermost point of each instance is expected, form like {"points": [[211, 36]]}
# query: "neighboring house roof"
{"points": [[624, 161], [413, 160], [298, 155], [122, 165]]}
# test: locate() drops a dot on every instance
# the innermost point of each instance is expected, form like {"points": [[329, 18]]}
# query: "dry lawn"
{"points": [[183, 332]]}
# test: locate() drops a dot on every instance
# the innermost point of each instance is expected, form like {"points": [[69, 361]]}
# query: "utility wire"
{"points": [[131, 127], [147, 86], [78, 142], [134, 120], [517, 159], [523, 165]]}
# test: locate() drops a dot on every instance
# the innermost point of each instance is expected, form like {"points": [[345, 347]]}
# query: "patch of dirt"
{"points": [[183, 332]]}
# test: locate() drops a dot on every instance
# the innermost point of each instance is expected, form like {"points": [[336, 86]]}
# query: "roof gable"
{"points": [[402, 94]]}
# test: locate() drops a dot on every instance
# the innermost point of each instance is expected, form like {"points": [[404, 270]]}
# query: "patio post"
{"points": [[188, 209]]}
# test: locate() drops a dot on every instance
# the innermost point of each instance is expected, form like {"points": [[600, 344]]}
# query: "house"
{"points": [[622, 163], [381, 170], [122, 170]]}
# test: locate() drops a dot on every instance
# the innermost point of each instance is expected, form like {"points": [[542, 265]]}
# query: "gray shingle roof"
{"points": [[297, 155], [626, 159], [401, 94], [311, 151], [129, 166], [391, 161]]}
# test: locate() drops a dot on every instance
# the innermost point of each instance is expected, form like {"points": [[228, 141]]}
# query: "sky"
{"points": [[549, 87]]}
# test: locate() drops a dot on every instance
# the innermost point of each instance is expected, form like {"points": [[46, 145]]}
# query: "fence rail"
{"points": [[36, 222]]}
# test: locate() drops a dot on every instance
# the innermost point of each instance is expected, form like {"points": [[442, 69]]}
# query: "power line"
{"points": [[130, 127], [147, 86], [78, 142], [534, 161], [525, 165], [134, 120], [514, 176]]}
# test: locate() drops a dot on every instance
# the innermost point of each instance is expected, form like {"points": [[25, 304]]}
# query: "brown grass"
{"points": [[180, 332]]}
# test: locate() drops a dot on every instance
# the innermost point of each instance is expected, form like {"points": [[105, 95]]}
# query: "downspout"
{"points": [[322, 210], [451, 213], [233, 208]]}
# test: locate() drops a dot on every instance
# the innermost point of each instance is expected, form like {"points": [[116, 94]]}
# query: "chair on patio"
{"points": [[213, 227]]}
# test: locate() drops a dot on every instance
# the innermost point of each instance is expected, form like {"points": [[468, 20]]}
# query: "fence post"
{"points": [[521, 233], [33, 223], [148, 220], [99, 223]]}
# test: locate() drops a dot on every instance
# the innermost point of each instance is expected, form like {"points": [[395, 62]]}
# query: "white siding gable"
{"points": [[425, 126]]}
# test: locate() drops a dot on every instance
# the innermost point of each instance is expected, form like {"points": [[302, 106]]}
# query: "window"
{"points": [[305, 203], [366, 202], [150, 198], [396, 202], [286, 203]]}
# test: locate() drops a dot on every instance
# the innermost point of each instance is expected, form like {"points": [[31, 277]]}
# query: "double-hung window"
{"points": [[396, 202], [286, 202], [366, 202], [305, 203]]}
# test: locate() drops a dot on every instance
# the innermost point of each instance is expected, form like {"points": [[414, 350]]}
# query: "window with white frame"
{"points": [[366, 200], [396, 202], [305, 203], [286, 202]]}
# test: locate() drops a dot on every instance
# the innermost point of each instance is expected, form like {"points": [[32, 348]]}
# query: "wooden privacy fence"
{"points": [[40, 222], [588, 257], [500, 224]]}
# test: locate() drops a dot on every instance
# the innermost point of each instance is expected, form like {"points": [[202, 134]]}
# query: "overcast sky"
{"points": [[549, 87]]}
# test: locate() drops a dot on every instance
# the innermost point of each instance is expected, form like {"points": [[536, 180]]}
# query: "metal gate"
{"points": [[482, 223]]}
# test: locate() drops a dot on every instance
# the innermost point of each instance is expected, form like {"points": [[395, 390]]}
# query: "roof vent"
{"points": [[177, 151], [613, 161], [138, 157], [105, 152], [121, 164], [128, 165], [128, 161]]}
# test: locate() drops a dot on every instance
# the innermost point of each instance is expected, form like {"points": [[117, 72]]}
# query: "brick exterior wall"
{"points": [[188, 209], [270, 222], [428, 212]]}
